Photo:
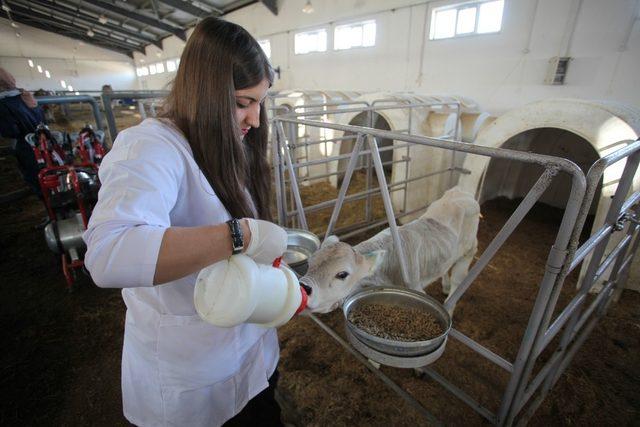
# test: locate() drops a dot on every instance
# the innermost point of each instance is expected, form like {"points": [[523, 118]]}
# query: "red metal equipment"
{"points": [[69, 184]]}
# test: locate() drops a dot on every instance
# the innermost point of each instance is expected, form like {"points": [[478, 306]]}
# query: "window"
{"points": [[481, 17], [160, 67], [311, 41], [266, 46], [361, 34], [171, 65], [142, 71], [152, 69]]}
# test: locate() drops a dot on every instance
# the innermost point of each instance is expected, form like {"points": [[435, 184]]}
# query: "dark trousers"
{"points": [[262, 410]]}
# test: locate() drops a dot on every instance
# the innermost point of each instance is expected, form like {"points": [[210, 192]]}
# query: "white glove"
{"points": [[268, 241]]}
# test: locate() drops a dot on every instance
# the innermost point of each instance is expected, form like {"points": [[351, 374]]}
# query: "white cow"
{"points": [[442, 239]]}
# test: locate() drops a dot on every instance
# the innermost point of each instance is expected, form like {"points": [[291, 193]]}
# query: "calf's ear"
{"points": [[331, 240], [373, 259]]}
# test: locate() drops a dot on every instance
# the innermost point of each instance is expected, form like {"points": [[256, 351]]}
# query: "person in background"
{"points": [[179, 193], [19, 116]]}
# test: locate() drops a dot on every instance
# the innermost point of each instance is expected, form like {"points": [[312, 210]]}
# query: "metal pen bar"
{"points": [[632, 200], [622, 280], [604, 293], [277, 163], [321, 141], [502, 153], [361, 195], [483, 351], [590, 245], [358, 110], [326, 175], [343, 157], [341, 231], [602, 233], [329, 104], [345, 185], [537, 381], [106, 104], [72, 100], [563, 364], [368, 208], [560, 321], [487, 414], [388, 381], [525, 359], [593, 178], [611, 218], [294, 184], [386, 200], [514, 220], [621, 246]]}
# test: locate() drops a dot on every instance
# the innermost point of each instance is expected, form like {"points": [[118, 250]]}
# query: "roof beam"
{"points": [[66, 33], [32, 15], [188, 7], [123, 32], [153, 22], [271, 5]]}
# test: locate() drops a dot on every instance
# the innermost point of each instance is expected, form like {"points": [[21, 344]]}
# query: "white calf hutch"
{"points": [[577, 155]]}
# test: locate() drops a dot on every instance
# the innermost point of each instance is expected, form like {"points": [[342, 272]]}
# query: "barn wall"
{"points": [[84, 66], [500, 71]]}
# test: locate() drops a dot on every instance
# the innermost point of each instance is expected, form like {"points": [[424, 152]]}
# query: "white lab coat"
{"points": [[176, 369]]}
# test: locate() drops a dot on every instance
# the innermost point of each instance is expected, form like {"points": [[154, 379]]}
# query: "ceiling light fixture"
{"points": [[18, 35], [47, 73], [39, 68], [14, 25], [102, 19], [30, 63], [5, 7], [90, 32], [63, 84], [308, 7]]}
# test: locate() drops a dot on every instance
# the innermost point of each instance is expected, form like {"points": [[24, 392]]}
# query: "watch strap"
{"points": [[237, 240]]}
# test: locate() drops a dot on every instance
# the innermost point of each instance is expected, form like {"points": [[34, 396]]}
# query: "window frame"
{"points": [[268, 42], [458, 7], [355, 24], [317, 30]]}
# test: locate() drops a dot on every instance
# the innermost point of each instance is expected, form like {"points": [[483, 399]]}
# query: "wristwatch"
{"points": [[237, 240]]}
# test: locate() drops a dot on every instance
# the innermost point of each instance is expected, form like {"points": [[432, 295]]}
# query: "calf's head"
{"points": [[334, 272]]}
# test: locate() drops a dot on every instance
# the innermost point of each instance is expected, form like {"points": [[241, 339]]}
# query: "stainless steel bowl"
{"points": [[401, 297], [301, 244]]}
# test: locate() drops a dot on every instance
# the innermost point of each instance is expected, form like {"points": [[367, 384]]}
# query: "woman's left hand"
{"points": [[267, 241]]}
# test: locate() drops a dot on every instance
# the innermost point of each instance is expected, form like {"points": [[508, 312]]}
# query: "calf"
{"points": [[442, 239]]}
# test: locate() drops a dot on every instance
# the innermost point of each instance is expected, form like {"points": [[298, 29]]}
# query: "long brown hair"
{"points": [[219, 58]]}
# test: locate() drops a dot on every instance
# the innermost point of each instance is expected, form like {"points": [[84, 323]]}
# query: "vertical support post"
{"points": [[277, 166], [456, 137], [369, 202], [108, 113], [386, 199], [293, 182], [141, 110], [406, 163]]}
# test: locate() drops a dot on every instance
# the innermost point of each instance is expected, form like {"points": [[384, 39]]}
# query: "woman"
{"points": [[19, 116], [168, 187]]}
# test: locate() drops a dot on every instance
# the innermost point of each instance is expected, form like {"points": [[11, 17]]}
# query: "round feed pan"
{"points": [[301, 244], [404, 298]]}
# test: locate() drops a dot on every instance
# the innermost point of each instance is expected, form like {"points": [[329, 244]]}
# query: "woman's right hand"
{"points": [[267, 241]]}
